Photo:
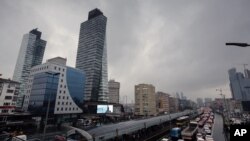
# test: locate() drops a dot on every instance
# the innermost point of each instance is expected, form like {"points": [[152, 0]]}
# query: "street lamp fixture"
{"points": [[48, 106], [238, 44]]}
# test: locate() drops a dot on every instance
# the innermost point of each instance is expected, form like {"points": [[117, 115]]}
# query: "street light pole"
{"points": [[48, 106], [238, 44]]}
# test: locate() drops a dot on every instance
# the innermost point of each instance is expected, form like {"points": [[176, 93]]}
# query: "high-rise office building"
{"points": [[92, 56], [30, 54], [53, 81], [145, 103], [114, 91], [239, 85]]}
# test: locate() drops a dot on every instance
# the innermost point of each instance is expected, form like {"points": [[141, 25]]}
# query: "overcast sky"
{"points": [[178, 46]]}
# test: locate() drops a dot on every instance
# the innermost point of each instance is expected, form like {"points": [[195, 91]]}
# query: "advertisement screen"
{"points": [[104, 109]]}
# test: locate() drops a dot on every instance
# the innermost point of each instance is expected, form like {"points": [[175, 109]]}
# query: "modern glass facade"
{"points": [[75, 83], [92, 56], [30, 54], [44, 88], [66, 92]]}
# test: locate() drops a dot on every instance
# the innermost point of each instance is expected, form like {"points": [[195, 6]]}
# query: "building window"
{"points": [[66, 103], [73, 108], [62, 75], [57, 109], [58, 103], [55, 68], [64, 86], [61, 109], [69, 108], [63, 70], [6, 104], [59, 97], [4, 111], [61, 86], [10, 91], [64, 92], [65, 109], [8, 97], [60, 91], [63, 97], [67, 97], [62, 103], [59, 69], [70, 103]]}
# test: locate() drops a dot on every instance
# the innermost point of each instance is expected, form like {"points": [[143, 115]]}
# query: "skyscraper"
{"points": [[92, 56], [239, 85], [30, 54]]}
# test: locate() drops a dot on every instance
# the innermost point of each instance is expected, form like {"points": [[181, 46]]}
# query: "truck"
{"points": [[175, 134], [189, 133]]}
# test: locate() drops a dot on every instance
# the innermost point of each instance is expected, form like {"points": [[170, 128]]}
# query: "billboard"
{"points": [[101, 109]]}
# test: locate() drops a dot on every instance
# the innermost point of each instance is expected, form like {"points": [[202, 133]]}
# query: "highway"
{"points": [[218, 134]]}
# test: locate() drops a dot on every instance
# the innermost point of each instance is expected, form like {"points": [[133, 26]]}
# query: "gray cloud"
{"points": [[174, 45]]}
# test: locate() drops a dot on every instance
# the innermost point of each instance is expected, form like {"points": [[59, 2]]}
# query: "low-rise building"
{"points": [[162, 102], [58, 84], [174, 104], [8, 95]]}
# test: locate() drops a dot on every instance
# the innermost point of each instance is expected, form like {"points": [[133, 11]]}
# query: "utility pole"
{"points": [[225, 104], [48, 106]]}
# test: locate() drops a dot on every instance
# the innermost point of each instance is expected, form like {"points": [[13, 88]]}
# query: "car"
{"points": [[164, 139]]}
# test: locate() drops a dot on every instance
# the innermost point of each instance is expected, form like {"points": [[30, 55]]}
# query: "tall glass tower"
{"points": [[92, 56], [30, 54]]}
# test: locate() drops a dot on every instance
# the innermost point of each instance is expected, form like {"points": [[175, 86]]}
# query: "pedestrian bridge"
{"points": [[112, 131]]}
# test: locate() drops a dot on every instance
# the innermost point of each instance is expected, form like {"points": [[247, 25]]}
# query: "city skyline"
{"points": [[173, 51]]}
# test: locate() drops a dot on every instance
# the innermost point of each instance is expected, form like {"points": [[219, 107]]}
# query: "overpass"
{"points": [[113, 131]]}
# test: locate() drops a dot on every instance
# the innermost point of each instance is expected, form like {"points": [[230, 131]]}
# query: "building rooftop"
{"points": [[58, 60], [37, 33], [94, 13]]}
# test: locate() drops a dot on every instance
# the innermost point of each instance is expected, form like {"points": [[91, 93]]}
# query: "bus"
{"points": [[182, 121]]}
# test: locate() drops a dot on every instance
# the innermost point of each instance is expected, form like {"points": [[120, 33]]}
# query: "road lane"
{"points": [[218, 134]]}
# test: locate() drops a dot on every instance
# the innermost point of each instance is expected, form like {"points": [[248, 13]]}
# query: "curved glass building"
{"points": [[53, 81]]}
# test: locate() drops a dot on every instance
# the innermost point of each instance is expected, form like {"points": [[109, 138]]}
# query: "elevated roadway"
{"points": [[111, 131]]}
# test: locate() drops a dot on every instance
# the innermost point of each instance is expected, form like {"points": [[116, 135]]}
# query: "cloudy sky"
{"points": [[178, 46]]}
